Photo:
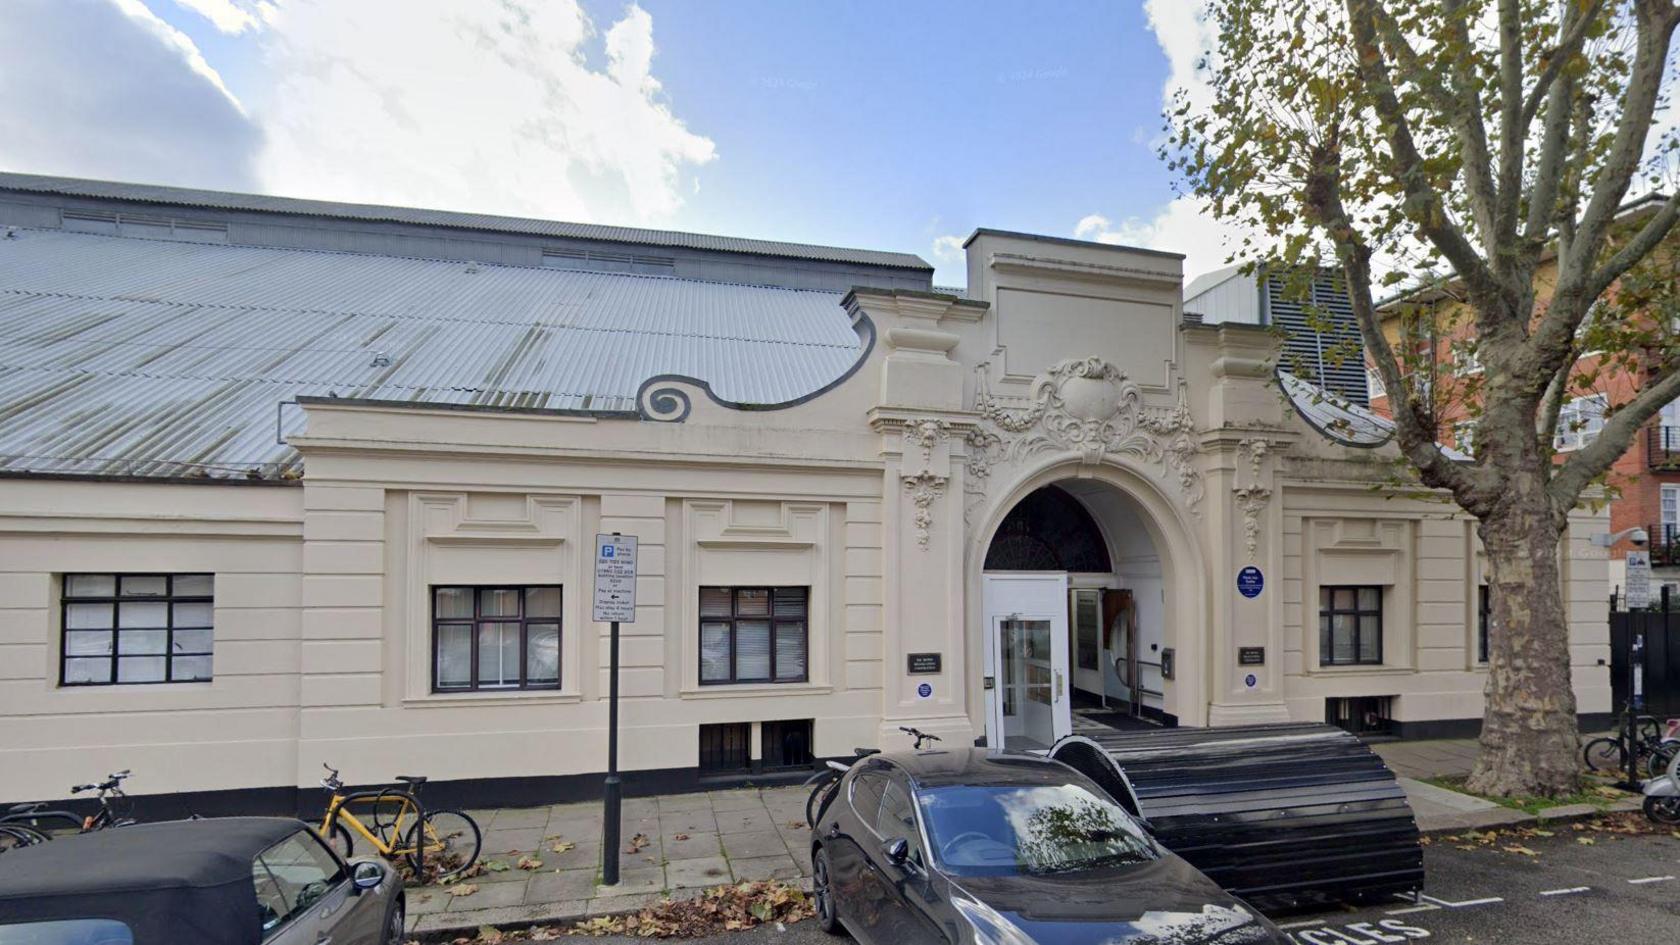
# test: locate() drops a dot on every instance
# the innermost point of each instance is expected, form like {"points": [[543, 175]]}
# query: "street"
{"points": [[1563, 891], [1567, 891]]}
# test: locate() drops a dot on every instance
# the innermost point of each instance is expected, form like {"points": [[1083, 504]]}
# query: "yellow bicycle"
{"points": [[448, 840]]}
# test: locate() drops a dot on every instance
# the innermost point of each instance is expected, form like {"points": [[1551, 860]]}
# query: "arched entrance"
{"points": [[1077, 594]]}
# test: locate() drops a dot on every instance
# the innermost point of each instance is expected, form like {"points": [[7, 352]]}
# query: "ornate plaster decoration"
{"points": [[925, 433], [1252, 500], [923, 488], [1090, 406], [1257, 449]]}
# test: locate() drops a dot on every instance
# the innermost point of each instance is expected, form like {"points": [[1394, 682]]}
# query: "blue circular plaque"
{"points": [[925, 690], [1250, 582]]}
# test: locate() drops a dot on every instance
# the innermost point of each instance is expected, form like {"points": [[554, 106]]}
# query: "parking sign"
{"points": [[615, 578]]}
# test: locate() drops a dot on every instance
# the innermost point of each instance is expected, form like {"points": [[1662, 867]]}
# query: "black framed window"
{"points": [[495, 638], [1484, 612], [1350, 625], [122, 629], [753, 635]]}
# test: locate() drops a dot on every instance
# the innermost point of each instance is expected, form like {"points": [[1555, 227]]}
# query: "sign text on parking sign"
{"points": [[615, 578]]}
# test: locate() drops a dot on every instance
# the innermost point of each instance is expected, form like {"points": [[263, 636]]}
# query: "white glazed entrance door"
{"points": [[1027, 660]]}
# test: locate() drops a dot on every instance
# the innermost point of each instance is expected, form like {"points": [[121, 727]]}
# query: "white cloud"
{"points": [[93, 88], [225, 15], [179, 42], [519, 106], [947, 248], [491, 107], [1182, 226]]}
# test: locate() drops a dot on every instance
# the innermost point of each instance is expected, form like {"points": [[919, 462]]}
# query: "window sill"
{"points": [[440, 700], [743, 690], [1377, 670]]}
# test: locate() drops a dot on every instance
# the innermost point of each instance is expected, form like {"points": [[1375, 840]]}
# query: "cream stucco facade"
{"points": [[1067, 363]]}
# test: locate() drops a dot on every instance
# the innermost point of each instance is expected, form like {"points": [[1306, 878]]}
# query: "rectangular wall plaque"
{"points": [[1251, 656], [924, 663]]}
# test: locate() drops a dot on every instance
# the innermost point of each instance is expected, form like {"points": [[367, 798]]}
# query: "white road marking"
{"points": [[1302, 925], [1426, 907], [1650, 879], [1564, 892], [1465, 903]]}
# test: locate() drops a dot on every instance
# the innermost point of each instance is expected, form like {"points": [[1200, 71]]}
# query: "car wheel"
{"points": [[822, 892], [394, 926]]}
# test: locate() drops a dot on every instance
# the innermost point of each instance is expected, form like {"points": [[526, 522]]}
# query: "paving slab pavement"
{"points": [[693, 841]]}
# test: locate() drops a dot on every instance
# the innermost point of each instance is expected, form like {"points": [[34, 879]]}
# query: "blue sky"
{"points": [[881, 124]]}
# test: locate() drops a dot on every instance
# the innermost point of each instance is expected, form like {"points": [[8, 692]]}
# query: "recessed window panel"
{"points": [[137, 628], [490, 638], [1350, 625], [753, 635]]}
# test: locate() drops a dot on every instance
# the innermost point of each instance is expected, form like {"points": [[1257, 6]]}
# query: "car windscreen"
{"points": [[66, 932], [1029, 828]]}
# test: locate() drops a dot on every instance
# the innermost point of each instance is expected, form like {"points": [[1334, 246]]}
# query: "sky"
{"points": [[875, 123]]}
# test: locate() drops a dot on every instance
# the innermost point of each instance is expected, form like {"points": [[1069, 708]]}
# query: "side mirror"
{"points": [[367, 875], [897, 850]]}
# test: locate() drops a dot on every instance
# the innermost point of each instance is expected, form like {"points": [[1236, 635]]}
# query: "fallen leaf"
{"points": [[1585, 841], [680, 836], [561, 846], [489, 935], [798, 824], [1525, 851], [637, 843], [529, 863], [496, 866], [463, 889]]}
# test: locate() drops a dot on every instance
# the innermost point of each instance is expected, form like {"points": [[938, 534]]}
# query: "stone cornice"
{"points": [[1102, 272]]}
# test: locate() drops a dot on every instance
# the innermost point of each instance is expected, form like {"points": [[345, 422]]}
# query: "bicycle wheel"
{"points": [[13, 836], [1604, 754], [446, 843], [341, 839]]}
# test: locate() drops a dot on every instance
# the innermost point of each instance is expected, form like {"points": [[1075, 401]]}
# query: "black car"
{"points": [[973, 846], [228, 881]]}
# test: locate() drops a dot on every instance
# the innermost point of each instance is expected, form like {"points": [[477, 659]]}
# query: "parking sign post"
{"points": [[615, 603]]}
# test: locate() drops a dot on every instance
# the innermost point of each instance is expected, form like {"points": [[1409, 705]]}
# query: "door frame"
{"points": [[1033, 595]]}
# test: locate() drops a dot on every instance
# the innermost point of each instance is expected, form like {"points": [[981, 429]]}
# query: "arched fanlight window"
{"points": [[1048, 530]]}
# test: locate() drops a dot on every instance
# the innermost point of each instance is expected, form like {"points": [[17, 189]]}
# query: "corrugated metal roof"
{"points": [[223, 200], [123, 356]]}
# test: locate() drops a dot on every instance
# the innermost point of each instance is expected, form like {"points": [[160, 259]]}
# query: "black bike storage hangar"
{"points": [[1282, 815]]}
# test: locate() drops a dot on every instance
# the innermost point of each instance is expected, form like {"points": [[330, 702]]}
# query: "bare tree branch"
{"points": [[1549, 170], [1511, 137], [1549, 343], [1568, 45], [1590, 461], [1423, 205], [1655, 26], [1551, 404], [1463, 104], [1643, 243]]}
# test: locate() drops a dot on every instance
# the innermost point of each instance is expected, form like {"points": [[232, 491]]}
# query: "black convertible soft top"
{"points": [[178, 882]]}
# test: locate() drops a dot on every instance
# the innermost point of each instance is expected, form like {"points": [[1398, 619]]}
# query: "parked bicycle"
{"points": [[1649, 748], [31, 823], [822, 783], [401, 826]]}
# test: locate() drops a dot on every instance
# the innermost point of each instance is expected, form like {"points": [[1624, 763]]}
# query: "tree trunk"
{"points": [[1529, 739]]}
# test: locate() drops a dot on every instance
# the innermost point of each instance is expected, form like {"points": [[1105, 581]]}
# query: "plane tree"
{"points": [[1473, 145]]}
